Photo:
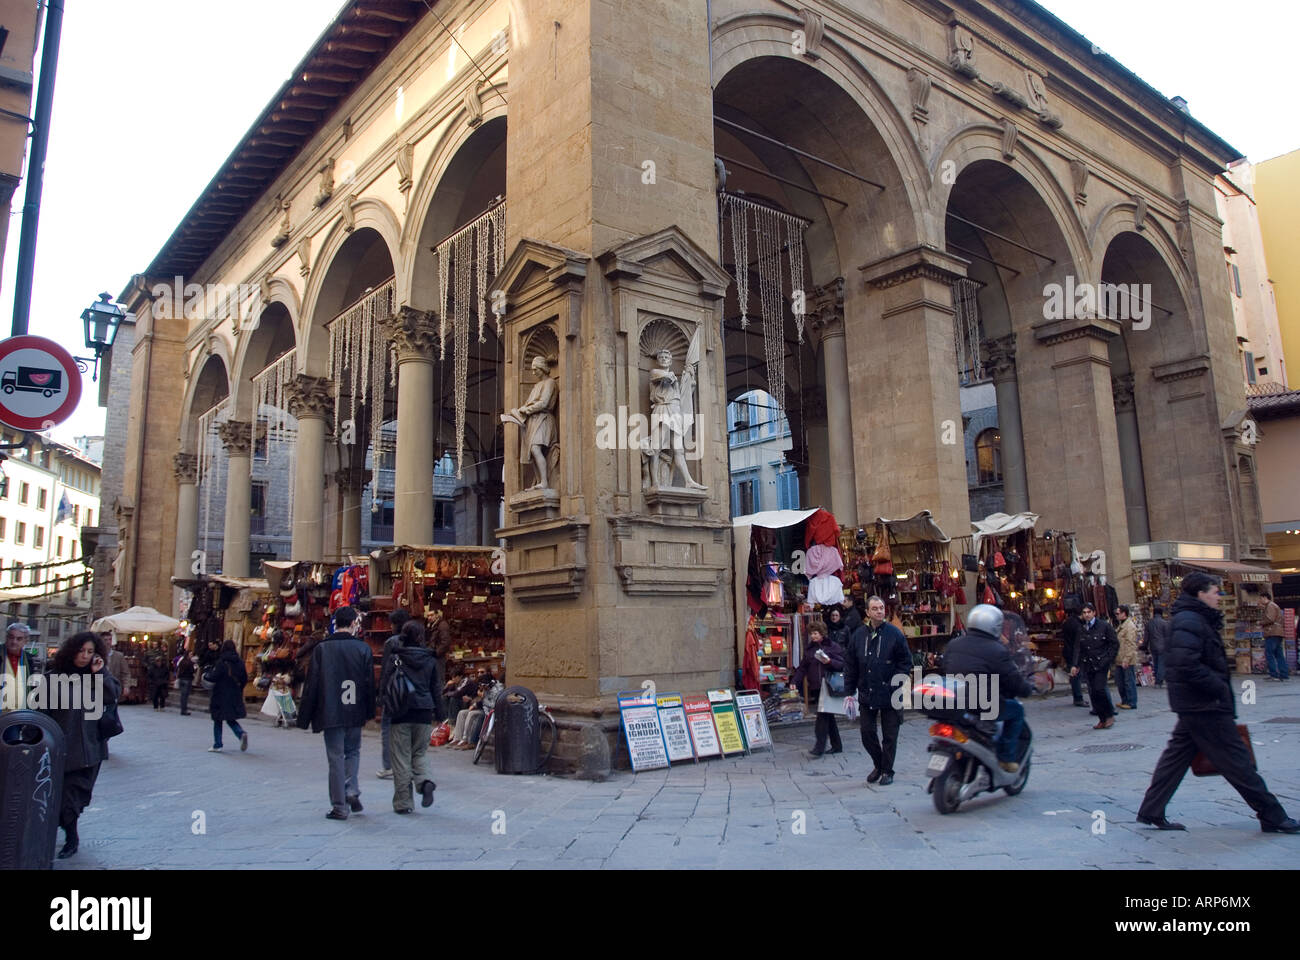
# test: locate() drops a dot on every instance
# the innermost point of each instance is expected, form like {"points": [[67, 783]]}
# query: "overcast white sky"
{"points": [[152, 95]]}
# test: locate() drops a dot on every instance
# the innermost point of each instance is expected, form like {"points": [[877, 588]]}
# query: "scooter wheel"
{"points": [[1019, 785], [947, 787]]}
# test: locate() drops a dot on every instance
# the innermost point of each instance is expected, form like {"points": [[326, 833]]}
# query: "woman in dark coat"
{"points": [[159, 674], [227, 705], [84, 655], [822, 655]]}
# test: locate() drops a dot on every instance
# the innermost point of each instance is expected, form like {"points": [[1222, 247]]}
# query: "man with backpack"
{"points": [[337, 700], [406, 692]]}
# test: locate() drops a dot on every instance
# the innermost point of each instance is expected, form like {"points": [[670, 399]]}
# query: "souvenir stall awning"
{"points": [[137, 620], [920, 527], [1002, 525], [741, 527], [1235, 572]]}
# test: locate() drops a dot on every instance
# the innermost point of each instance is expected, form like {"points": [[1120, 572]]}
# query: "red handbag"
{"points": [[960, 598]]}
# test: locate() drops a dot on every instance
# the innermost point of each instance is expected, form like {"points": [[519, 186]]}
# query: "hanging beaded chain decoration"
{"points": [[357, 346], [468, 258], [271, 393], [966, 329], [211, 455], [768, 226]]}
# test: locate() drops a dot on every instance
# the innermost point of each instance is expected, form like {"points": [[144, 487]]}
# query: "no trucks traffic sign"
{"points": [[40, 385]]}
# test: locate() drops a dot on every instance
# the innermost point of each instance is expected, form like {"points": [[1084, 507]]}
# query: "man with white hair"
{"points": [[17, 668]]}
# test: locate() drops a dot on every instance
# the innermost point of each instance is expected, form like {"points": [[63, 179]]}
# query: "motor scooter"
{"points": [[963, 749]]}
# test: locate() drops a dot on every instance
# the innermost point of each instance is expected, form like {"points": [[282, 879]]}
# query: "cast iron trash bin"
{"points": [[517, 732], [32, 753]]}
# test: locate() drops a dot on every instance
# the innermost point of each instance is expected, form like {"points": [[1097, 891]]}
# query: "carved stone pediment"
{"points": [[668, 253]]}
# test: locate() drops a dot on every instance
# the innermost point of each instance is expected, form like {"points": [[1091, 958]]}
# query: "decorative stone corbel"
{"points": [[961, 51], [1140, 212], [304, 256], [282, 235], [814, 28], [1009, 134], [349, 213], [919, 84], [1009, 94], [1079, 180], [405, 162], [326, 190], [473, 105]]}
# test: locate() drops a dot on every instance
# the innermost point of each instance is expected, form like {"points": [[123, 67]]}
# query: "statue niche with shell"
{"points": [[672, 403], [539, 436]]}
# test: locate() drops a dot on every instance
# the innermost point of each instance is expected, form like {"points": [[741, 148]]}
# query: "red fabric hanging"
{"points": [[821, 528]]}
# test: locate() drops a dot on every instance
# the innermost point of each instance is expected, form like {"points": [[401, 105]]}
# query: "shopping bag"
{"points": [[1201, 765], [851, 708], [827, 702]]}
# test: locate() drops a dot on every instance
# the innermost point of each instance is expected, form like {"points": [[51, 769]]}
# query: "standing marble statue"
{"points": [[536, 419], [671, 418]]}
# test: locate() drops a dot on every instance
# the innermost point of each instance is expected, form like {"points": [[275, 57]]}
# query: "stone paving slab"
{"points": [[776, 808]]}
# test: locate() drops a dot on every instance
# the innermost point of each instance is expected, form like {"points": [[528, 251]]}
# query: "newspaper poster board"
{"points": [[704, 735], [753, 721], [641, 730], [672, 720], [730, 737]]}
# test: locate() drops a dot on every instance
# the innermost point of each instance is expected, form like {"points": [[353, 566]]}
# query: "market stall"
{"points": [[1158, 583], [458, 593], [135, 631]]}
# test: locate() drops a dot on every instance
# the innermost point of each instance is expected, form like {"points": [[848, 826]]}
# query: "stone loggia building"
{"points": [[437, 212]]}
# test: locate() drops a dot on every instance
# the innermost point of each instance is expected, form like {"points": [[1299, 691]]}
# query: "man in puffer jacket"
{"points": [[1200, 692]]}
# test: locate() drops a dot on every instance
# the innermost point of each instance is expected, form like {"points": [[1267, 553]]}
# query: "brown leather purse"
{"points": [[1201, 765]]}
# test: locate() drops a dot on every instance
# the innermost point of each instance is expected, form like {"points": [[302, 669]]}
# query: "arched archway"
{"points": [[460, 206], [798, 143]]}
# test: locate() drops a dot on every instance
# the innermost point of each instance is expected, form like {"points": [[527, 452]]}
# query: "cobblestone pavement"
{"points": [[265, 808]]}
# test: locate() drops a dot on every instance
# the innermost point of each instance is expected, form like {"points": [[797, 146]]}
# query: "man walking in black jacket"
{"points": [[1096, 650], [1200, 692], [1157, 643], [877, 655], [1070, 631], [338, 699]]}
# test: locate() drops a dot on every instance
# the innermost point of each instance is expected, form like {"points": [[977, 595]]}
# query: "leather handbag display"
{"points": [[1201, 765], [970, 563]]}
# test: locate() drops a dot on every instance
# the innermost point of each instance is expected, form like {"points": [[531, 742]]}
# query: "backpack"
{"points": [[397, 689]]}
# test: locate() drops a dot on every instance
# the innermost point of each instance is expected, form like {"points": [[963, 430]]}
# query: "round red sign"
{"points": [[40, 385]]}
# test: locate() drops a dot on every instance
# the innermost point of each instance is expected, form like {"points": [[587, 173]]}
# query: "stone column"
{"points": [[185, 468], [415, 336], [1073, 459], [488, 494], [1002, 365], [351, 483], [237, 437], [907, 431], [827, 312], [311, 403], [810, 448], [1130, 459]]}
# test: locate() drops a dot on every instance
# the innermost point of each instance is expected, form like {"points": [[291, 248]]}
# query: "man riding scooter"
{"points": [[982, 653]]}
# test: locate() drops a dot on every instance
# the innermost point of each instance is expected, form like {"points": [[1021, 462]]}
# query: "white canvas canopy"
{"points": [[741, 528], [1002, 525], [137, 620]]}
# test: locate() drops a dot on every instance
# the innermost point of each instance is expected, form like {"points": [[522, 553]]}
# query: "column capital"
{"points": [[310, 397], [923, 262], [236, 436], [414, 333], [1000, 354], [1052, 332], [185, 466], [1122, 390], [353, 481], [826, 309]]}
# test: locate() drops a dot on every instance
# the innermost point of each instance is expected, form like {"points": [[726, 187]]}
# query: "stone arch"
{"points": [[211, 367], [283, 296], [983, 142], [270, 338], [747, 37], [370, 216], [438, 198]]}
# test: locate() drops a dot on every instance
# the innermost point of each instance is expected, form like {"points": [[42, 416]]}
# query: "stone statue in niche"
{"points": [[539, 434], [672, 420]]}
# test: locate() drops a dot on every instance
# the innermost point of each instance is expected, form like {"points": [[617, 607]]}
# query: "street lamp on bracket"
{"points": [[101, 321]]}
